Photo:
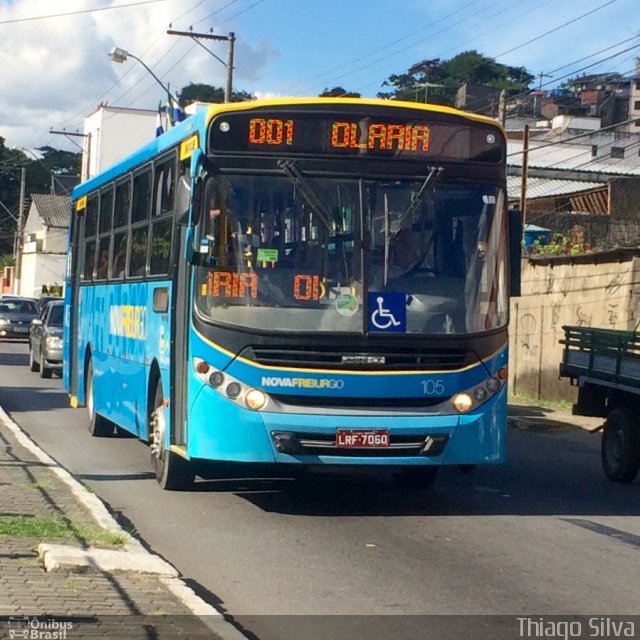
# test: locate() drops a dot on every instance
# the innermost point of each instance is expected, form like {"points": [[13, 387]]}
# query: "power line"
{"points": [[76, 13]]}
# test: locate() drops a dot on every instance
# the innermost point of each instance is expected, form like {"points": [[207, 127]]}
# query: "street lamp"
{"points": [[120, 55], [228, 65]]}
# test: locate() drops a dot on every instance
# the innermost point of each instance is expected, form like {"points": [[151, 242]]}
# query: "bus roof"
{"points": [[197, 124]]}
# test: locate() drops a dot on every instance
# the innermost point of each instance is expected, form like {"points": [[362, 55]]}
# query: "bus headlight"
{"points": [[255, 399], [4, 322], [54, 342], [462, 402]]}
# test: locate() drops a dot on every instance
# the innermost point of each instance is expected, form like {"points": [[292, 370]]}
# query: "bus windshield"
{"points": [[295, 253]]}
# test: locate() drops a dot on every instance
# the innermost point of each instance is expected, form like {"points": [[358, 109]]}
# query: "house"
{"points": [[44, 244]]}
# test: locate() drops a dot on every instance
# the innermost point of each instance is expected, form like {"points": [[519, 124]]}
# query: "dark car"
{"points": [[42, 301], [16, 315], [45, 340]]}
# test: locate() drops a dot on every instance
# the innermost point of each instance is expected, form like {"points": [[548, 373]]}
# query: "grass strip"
{"points": [[57, 528]]}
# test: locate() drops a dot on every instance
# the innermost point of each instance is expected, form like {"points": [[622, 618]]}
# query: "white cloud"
{"points": [[56, 71]]}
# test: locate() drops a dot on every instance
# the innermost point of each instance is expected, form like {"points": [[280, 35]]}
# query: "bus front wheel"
{"points": [[99, 427], [620, 447], [173, 472]]}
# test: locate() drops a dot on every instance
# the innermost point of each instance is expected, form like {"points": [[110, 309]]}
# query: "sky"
{"points": [[55, 69]]}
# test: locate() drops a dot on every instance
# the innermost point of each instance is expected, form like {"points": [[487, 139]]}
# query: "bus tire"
{"points": [[416, 477], [173, 472], [620, 446], [99, 427]]}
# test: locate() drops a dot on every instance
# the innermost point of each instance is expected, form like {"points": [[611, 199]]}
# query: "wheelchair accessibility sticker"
{"points": [[387, 312]]}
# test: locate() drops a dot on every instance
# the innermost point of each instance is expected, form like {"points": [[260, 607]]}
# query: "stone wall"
{"points": [[595, 291]]}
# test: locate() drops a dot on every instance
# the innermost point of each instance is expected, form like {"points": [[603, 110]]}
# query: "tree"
{"points": [[339, 92], [199, 92], [39, 172], [420, 83]]}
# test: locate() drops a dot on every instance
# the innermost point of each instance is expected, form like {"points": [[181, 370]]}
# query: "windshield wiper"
{"points": [[302, 184], [426, 187]]}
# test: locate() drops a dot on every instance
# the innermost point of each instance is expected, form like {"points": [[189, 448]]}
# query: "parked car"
{"points": [[16, 315], [45, 340]]}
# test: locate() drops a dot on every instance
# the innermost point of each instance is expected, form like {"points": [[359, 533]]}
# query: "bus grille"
{"points": [[325, 445], [336, 402], [371, 360]]}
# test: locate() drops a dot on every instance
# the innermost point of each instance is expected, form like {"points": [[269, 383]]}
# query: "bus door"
{"points": [[74, 278], [180, 313]]}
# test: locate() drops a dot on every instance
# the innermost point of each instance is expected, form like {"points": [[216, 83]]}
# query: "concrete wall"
{"points": [[593, 294], [113, 133], [41, 269]]}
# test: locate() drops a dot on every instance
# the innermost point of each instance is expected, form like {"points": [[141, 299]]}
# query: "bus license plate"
{"points": [[362, 438]]}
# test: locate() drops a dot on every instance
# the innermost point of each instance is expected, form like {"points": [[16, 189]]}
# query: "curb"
{"points": [[133, 558], [58, 557]]}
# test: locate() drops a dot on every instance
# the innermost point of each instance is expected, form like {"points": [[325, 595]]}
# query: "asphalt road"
{"points": [[544, 534]]}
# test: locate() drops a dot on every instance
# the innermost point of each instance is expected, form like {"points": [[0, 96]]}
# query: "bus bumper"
{"points": [[241, 435]]}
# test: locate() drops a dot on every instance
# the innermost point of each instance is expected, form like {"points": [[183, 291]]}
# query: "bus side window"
{"points": [[119, 259], [138, 255]]}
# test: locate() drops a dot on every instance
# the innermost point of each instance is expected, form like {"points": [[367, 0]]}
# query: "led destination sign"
{"points": [[375, 136], [379, 134]]}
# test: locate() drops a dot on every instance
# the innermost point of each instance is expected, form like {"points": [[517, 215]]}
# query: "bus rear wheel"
{"points": [[99, 427], [172, 471], [620, 446]]}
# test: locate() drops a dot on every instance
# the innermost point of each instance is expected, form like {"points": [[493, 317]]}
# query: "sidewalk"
{"points": [[90, 579], [541, 419]]}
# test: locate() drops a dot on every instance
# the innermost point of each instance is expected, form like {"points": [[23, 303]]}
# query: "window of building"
{"points": [[594, 150], [617, 152]]}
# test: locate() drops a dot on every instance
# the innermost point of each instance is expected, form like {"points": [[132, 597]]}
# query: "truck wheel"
{"points": [[620, 447]]}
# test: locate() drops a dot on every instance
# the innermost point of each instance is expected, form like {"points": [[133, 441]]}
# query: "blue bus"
{"points": [[298, 282]]}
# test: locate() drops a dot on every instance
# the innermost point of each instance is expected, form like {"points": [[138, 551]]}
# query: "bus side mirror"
{"points": [[515, 251], [183, 200]]}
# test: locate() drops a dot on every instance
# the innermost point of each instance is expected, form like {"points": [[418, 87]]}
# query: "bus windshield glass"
{"points": [[298, 253]]}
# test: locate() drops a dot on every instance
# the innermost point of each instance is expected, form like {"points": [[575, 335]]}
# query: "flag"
{"points": [[159, 127], [173, 110]]}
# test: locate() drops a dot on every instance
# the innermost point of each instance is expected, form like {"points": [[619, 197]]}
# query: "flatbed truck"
{"points": [[605, 366]]}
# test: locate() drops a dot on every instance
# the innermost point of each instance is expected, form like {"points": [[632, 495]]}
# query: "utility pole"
{"points": [[535, 98], [230, 40], [85, 170], [18, 271], [525, 169], [502, 108]]}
